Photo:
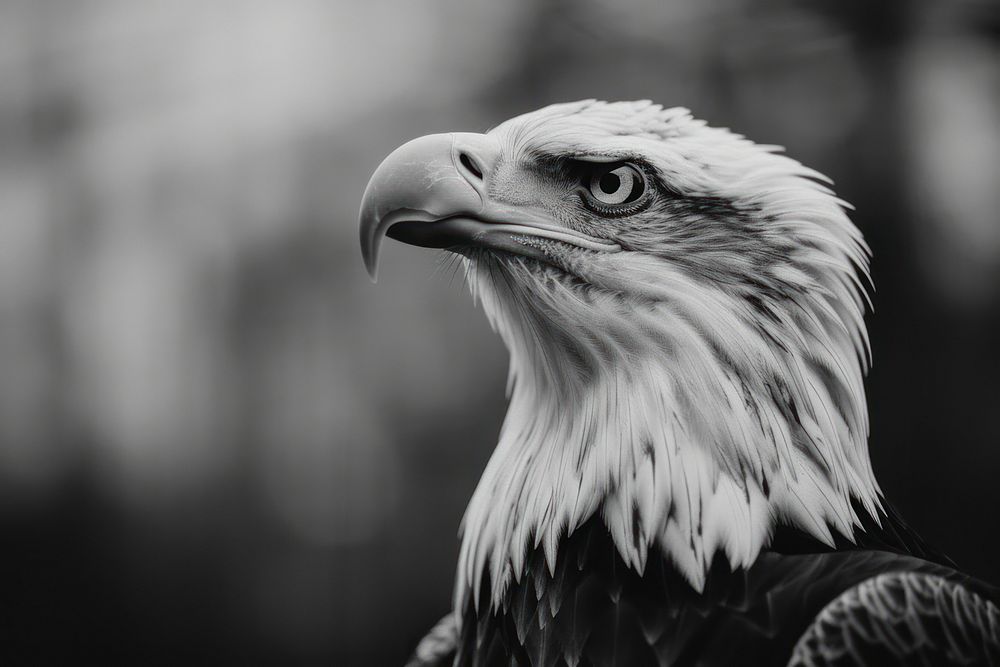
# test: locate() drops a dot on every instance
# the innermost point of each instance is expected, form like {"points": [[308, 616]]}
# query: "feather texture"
{"points": [[697, 388], [814, 606], [903, 618], [683, 474]]}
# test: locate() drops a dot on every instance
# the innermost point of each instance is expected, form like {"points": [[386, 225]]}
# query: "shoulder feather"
{"points": [[903, 618]]}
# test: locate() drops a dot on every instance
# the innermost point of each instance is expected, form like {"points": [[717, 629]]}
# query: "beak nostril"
{"points": [[470, 165]]}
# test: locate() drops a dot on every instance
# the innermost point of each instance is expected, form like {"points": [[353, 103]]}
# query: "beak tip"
{"points": [[371, 266], [371, 239]]}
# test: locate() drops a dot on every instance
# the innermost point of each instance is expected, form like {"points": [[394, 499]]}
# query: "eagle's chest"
{"points": [[594, 610]]}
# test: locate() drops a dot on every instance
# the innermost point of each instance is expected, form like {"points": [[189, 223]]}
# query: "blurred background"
{"points": [[220, 442]]}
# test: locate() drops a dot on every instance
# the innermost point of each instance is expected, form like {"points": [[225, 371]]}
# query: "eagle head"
{"points": [[684, 312]]}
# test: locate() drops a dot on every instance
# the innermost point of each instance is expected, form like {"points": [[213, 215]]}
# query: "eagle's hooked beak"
{"points": [[433, 192]]}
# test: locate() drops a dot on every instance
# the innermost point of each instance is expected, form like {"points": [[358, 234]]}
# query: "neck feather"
{"points": [[687, 421]]}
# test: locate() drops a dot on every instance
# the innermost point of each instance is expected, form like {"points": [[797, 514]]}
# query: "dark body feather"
{"points": [[596, 611]]}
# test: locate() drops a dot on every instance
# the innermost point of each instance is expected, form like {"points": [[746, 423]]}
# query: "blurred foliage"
{"points": [[218, 439]]}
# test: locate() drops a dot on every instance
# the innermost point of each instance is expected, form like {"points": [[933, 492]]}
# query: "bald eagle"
{"points": [[682, 476]]}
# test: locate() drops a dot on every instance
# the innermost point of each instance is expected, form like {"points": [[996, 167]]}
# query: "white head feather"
{"points": [[695, 389]]}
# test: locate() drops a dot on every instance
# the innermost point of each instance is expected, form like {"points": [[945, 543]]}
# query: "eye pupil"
{"points": [[610, 183]]}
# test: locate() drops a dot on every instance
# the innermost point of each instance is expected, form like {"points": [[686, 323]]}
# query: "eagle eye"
{"points": [[615, 189]]}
